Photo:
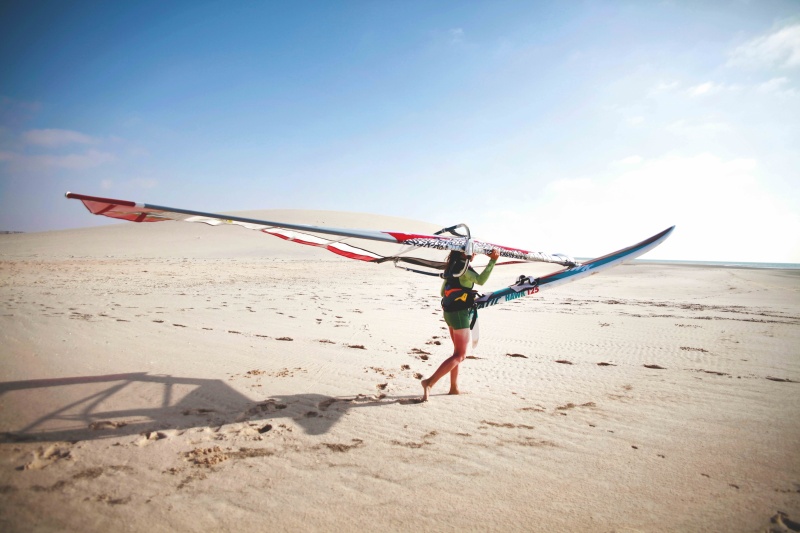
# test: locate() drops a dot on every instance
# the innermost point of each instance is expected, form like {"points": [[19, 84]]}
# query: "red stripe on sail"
{"points": [[349, 255], [331, 247], [84, 198]]}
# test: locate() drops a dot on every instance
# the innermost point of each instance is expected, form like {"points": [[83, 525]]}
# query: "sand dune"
{"points": [[175, 376]]}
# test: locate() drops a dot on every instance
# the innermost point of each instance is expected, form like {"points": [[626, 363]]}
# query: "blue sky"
{"points": [[575, 127]]}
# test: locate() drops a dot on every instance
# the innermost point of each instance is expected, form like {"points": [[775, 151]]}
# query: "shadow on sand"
{"points": [[112, 406]]}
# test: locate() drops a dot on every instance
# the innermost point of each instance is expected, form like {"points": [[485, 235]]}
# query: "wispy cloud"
{"points": [[709, 88], [663, 87], [136, 183], [41, 150], [697, 128], [628, 161], [144, 183], [781, 48], [52, 138], [75, 161], [456, 35], [777, 86]]}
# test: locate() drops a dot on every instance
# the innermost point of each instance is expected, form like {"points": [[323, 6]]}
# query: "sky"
{"points": [[575, 127]]}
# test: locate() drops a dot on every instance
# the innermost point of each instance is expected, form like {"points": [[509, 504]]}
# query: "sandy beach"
{"points": [[178, 377]]}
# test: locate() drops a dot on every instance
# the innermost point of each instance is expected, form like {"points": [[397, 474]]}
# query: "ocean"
{"points": [[724, 264]]}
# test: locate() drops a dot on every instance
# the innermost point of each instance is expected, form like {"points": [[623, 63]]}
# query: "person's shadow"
{"points": [[94, 407]]}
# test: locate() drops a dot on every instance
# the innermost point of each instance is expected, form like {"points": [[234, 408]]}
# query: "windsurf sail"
{"points": [[317, 235]]}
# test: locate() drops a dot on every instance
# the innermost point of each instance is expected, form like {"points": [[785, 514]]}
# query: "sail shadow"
{"points": [[118, 405]]}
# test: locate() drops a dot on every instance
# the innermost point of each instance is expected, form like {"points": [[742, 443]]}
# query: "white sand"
{"points": [[178, 377]]}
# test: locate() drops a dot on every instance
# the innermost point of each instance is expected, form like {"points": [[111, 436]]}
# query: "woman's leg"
{"points": [[454, 372], [460, 343]]}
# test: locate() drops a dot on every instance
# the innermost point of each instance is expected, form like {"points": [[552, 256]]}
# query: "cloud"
{"points": [[777, 86], [88, 159], [632, 160], [76, 161], [145, 183], [723, 209], [456, 35], [663, 87], [704, 88], [52, 138], [697, 128], [137, 183], [780, 48], [42, 150], [709, 88]]}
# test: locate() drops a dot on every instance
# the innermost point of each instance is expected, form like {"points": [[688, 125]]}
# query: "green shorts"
{"points": [[459, 319]]}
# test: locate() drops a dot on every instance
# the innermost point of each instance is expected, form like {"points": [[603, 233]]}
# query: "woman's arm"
{"points": [[483, 277]]}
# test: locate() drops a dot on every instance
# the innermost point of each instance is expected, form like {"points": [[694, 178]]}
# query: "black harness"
{"points": [[456, 297]]}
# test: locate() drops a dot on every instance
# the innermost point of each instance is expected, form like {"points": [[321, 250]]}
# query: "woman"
{"points": [[457, 297]]}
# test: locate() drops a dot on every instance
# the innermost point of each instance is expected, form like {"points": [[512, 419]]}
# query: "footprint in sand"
{"points": [[105, 498], [338, 447], [206, 456], [410, 444], [44, 457], [324, 405], [506, 425], [781, 380], [268, 406], [534, 409], [188, 412], [571, 405], [106, 424], [149, 437]]}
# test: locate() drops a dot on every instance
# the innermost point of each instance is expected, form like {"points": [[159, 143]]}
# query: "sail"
{"points": [[313, 235]]}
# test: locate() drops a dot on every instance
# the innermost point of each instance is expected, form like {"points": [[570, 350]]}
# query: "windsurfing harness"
{"points": [[457, 297]]}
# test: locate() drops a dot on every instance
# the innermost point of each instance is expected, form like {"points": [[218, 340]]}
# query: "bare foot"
{"points": [[454, 390], [426, 387]]}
